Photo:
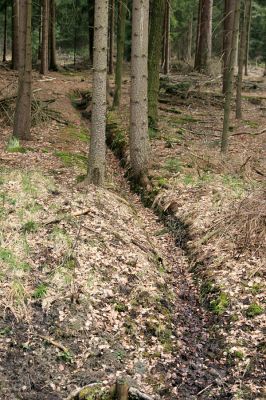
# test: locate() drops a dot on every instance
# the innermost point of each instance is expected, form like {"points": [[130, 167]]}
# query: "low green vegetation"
{"points": [[253, 310], [13, 146], [71, 159], [40, 291], [172, 165], [30, 226]]}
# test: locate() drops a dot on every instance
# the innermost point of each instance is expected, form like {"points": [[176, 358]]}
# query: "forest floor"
{"points": [[94, 285]]}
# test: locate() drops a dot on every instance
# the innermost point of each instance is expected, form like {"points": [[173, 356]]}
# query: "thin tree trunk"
{"points": [[111, 37], [76, 30], [241, 59], [22, 118], [97, 145], [229, 12], [45, 35], [5, 32], [52, 38], [15, 34], [166, 42], [249, 14], [198, 30], [155, 42], [203, 55], [121, 30], [189, 39], [139, 143], [40, 32], [229, 77]]}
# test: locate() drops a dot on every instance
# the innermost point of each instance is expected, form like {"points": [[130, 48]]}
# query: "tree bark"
{"points": [[91, 9], [22, 118], [189, 39], [139, 143], [204, 48], [97, 145], [241, 59], [45, 36], [229, 77], [5, 32], [15, 34], [111, 37], [229, 10], [52, 38], [166, 41], [155, 43], [121, 30], [249, 14]]}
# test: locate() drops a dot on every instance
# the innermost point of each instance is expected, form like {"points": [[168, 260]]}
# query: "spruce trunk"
{"points": [[139, 143], [111, 37], [96, 171], [249, 13], [22, 118], [229, 78], [203, 55], [155, 39], [241, 59], [15, 34], [121, 30], [45, 35], [229, 10], [52, 38], [5, 32]]}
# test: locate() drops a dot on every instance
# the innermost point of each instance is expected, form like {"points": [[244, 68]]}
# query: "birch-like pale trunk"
{"points": [[96, 170], [139, 142], [22, 118]]}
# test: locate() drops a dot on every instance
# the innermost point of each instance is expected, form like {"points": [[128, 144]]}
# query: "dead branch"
{"points": [[75, 214], [50, 340]]}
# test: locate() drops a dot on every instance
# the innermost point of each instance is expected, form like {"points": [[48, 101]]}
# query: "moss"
{"points": [[120, 307], [253, 310], [72, 159], [14, 146], [77, 132], [252, 124], [95, 392], [220, 303], [256, 288]]}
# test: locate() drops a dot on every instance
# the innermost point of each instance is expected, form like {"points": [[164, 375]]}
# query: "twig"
{"points": [[204, 390], [75, 214], [54, 343]]}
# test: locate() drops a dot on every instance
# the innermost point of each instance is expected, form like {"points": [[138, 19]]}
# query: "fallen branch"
{"points": [[75, 214], [54, 343]]}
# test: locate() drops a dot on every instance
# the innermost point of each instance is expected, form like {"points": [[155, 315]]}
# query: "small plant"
{"points": [[253, 310], [172, 165], [120, 307], [65, 356], [219, 304], [40, 291], [29, 226], [13, 146]]}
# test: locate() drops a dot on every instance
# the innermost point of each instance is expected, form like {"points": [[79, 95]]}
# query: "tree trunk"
{"points": [[97, 145], [45, 35], [166, 42], [22, 119], [198, 30], [229, 77], [40, 32], [5, 32], [121, 30], [204, 48], [139, 143], [249, 14], [15, 34], [111, 37], [155, 43], [91, 8], [227, 37], [241, 59], [189, 39], [52, 38], [77, 5]]}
